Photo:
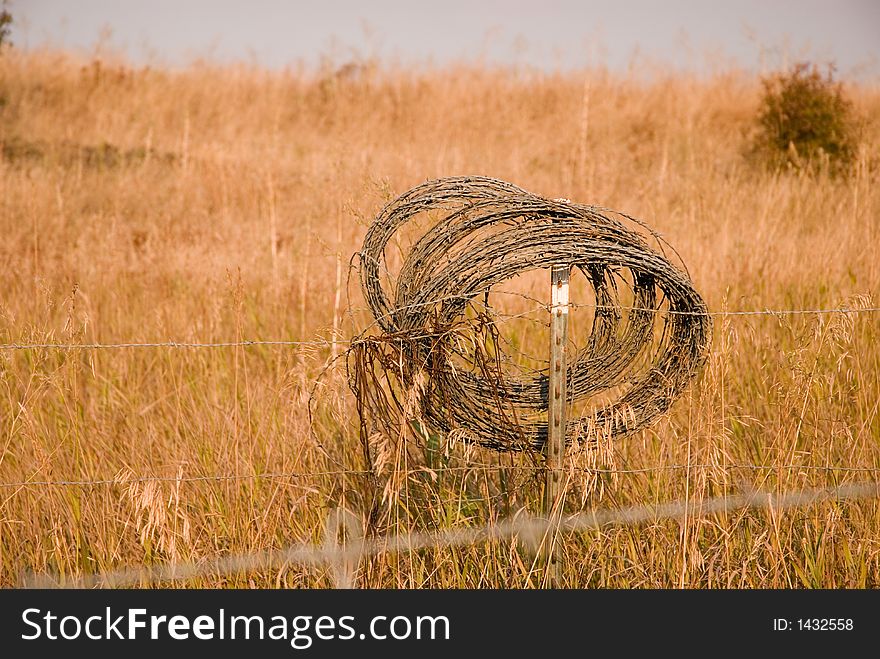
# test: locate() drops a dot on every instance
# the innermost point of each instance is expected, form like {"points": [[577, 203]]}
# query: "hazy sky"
{"points": [[549, 34]]}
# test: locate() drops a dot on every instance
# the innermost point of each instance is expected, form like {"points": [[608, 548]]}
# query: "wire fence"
{"points": [[343, 558], [327, 343]]}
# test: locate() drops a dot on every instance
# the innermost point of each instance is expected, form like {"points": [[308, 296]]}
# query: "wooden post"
{"points": [[553, 490]]}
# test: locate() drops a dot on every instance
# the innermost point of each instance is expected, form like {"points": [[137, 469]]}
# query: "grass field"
{"points": [[223, 204]]}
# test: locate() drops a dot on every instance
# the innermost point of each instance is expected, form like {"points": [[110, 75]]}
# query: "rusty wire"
{"points": [[435, 360]]}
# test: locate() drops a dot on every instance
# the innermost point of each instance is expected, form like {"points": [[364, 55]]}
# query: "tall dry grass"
{"points": [[217, 204]]}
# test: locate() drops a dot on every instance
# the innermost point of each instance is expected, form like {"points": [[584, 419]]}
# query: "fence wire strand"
{"points": [[327, 343], [474, 468], [529, 529]]}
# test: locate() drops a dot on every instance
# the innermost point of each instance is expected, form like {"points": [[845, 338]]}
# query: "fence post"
{"points": [[556, 398]]}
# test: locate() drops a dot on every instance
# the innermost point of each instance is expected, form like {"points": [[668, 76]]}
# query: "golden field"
{"points": [[217, 204]]}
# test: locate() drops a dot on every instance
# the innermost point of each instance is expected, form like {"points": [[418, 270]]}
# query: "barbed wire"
{"points": [[750, 312], [326, 343], [478, 467], [531, 531], [160, 344]]}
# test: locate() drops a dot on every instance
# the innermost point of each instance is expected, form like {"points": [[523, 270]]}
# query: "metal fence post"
{"points": [[553, 488]]}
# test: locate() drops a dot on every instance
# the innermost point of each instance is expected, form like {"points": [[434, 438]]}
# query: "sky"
{"points": [[548, 34]]}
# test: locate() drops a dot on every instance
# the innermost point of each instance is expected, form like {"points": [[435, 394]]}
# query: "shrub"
{"points": [[805, 121]]}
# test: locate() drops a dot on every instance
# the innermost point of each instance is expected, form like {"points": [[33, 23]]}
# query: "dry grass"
{"points": [[216, 204]]}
